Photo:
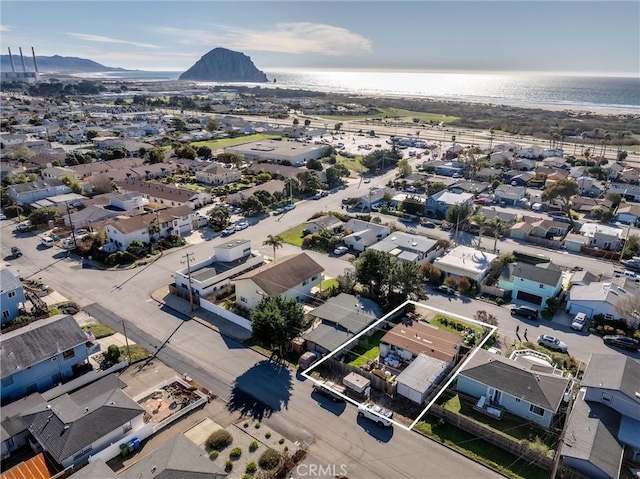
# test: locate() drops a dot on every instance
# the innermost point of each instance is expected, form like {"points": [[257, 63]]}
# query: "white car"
{"points": [[242, 225], [381, 416], [289, 207], [340, 250], [579, 321]]}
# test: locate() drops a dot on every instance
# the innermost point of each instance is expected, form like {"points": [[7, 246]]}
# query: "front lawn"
{"points": [[137, 353], [352, 164], [293, 236], [99, 330], [513, 428], [454, 325], [224, 142], [367, 352], [479, 450], [328, 284]]}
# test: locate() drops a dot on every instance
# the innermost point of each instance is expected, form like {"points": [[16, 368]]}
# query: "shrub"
{"points": [[113, 353], [228, 465], [269, 459], [247, 476], [251, 468], [285, 448], [257, 425], [281, 441], [267, 434], [246, 424], [219, 439], [235, 453], [253, 445], [213, 454]]}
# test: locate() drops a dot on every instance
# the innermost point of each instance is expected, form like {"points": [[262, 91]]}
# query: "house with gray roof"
{"points": [[11, 295], [604, 423], [38, 356], [361, 234], [325, 222], [23, 194], [531, 283], [339, 319], [507, 385], [509, 195], [179, 457], [600, 297], [438, 204], [407, 247], [72, 427], [13, 430]]}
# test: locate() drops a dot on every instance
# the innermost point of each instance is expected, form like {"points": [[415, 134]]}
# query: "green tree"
{"points": [[368, 271], [91, 134], [72, 183], [21, 154], [405, 282], [404, 168], [307, 123], [212, 125], [498, 227], [137, 248], [481, 222], [314, 164], [622, 155], [230, 158], [291, 187], [562, 190], [458, 215], [335, 174], [275, 321], [275, 241], [296, 122], [263, 178], [186, 151], [43, 215], [156, 156], [431, 274], [219, 217], [102, 184], [337, 126], [615, 198], [309, 181], [204, 151], [252, 206], [265, 197]]}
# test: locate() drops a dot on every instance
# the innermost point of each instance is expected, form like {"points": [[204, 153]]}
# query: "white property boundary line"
{"points": [[493, 329]]}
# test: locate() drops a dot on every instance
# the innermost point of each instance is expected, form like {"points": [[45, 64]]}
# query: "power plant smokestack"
{"points": [[13, 66], [24, 67], [35, 63]]}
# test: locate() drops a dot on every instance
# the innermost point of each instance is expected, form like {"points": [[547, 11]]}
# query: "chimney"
{"points": [[35, 63], [13, 66], [24, 67]]}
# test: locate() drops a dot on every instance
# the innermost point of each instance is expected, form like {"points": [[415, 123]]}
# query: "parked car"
{"points": [[242, 225], [526, 311], [622, 342], [48, 241], [579, 321], [278, 211], [428, 224], [228, 231], [15, 252], [444, 289], [368, 180], [340, 250], [26, 226], [552, 343], [409, 219], [377, 414], [330, 390], [324, 193], [289, 206]]}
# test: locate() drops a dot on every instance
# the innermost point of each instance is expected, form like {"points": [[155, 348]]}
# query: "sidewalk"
{"points": [[202, 316]]}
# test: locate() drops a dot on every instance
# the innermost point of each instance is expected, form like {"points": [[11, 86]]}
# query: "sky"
{"points": [[584, 37]]}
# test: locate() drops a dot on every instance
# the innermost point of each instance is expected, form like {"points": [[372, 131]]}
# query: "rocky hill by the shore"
{"points": [[222, 65]]}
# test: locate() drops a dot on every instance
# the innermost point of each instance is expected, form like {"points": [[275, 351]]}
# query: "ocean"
{"points": [[610, 93]]}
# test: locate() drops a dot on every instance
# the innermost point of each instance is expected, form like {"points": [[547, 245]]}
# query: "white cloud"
{"points": [[101, 39], [5, 28], [293, 38]]}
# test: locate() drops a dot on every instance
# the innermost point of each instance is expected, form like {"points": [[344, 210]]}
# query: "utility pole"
{"points": [[188, 257], [159, 232], [73, 230], [626, 240], [126, 339]]}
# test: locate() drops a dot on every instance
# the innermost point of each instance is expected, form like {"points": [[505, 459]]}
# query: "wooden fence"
{"points": [[547, 243], [514, 447], [183, 294], [376, 381], [599, 253]]}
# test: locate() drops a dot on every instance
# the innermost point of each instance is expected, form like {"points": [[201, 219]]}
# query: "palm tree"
{"points": [[621, 135], [498, 226], [491, 132], [605, 139], [596, 132], [275, 242], [481, 222]]}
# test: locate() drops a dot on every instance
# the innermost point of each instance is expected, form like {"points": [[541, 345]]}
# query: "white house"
{"points": [[26, 193], [408, 247], [600, 297], [215, 273], [463, 261], [604, 237], [58, 172], [218, 174], [363, 234], [291, 277], [172, 221], [132, 202]]}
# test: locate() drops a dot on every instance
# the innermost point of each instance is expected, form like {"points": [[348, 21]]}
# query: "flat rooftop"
{"points": [[218, 267]]}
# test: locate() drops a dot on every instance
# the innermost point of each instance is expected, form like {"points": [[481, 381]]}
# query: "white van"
{"points": [[68, 244], [48, 241]]}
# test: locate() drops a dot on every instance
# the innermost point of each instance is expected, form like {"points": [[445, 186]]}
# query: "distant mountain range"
{"points": [[55, 64]]}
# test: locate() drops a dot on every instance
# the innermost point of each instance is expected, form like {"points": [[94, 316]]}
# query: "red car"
{"points": [[483, 201]]}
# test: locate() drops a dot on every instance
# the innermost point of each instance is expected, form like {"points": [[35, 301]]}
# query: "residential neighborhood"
{"points": [[250, 273]]}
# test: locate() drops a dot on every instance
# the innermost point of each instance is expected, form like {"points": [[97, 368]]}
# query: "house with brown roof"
{"points": [[407, 340], [273, 187], [290, 276], [167, 195], [173, 221], [218, 174], [538, 228]]}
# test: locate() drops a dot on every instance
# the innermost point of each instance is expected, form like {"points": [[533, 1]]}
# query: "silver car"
{"points": [[552, 343]]}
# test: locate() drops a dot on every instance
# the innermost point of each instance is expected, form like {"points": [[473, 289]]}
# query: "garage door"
{"points": [[529, 298], [577, 308]]}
